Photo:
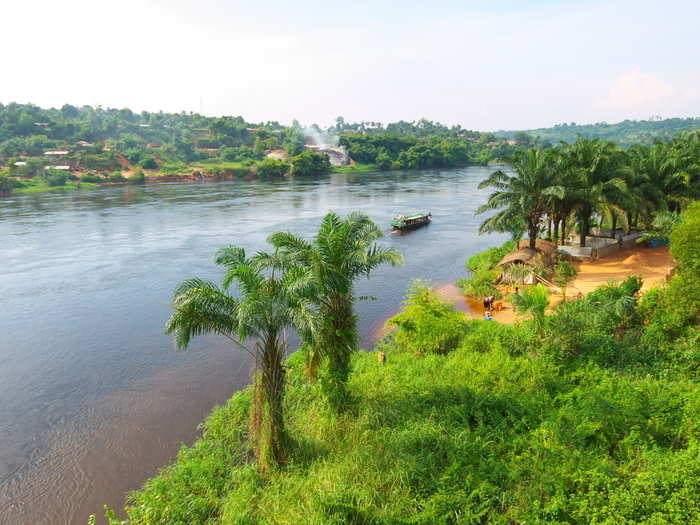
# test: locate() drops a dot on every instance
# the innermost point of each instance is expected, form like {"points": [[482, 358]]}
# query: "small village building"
{"points": [[58, 153], [519, 266]]}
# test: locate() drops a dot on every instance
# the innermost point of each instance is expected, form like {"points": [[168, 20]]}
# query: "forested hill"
{"points": [[66, 147], [79, 147], [625, 133]]}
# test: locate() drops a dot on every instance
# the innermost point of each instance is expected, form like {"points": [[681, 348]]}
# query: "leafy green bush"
{"points": [[592, 328], [427, 324], [309, 163], [89, 177], [174, 167], [564, 272], [55, 177], [488, 259], [661, 227], [383, 161], [272, 168], [480, 284], [685, 244], [148, 163], [533, 300], [237, 154], [7, 183]]}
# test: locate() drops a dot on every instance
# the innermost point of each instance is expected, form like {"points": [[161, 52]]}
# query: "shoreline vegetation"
{"points": [[584, 410], [86, 147], [588, 416]]}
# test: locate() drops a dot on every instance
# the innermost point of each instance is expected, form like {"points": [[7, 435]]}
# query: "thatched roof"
{"points": [[522, 256], [546, 247]]}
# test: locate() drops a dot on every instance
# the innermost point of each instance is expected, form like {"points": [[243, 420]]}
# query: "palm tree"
{"points": [[595, 169], [264, 311], [533, 301], [645, 197], [668, 173], [342, 251], [561, 205], [524, 196]]}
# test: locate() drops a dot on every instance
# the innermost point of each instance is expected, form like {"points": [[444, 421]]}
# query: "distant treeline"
{"points": [[625, 133], [42, 148]]}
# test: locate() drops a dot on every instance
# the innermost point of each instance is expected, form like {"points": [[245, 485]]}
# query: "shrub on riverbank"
{"points": [[484, 273], [427, 325]]}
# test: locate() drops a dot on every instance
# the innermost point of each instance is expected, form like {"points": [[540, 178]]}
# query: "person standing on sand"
{"points": [[486, 303]]}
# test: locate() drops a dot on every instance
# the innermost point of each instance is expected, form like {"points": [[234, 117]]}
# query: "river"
{"points": [[94, 398]]}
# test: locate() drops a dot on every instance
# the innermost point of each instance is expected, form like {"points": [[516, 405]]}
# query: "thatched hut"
{"points": [[546, 248], [519, 266]]}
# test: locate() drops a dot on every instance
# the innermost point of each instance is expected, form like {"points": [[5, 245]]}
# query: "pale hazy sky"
{"points": [[483, 64]]}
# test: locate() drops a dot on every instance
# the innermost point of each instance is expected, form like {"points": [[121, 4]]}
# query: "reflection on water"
{"points": [[93, 398]]}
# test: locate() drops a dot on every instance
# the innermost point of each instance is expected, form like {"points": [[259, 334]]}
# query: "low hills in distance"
{"points": [[625, 133], [78, 147]]}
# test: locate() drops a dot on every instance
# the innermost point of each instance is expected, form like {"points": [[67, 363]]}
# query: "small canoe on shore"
{"points": [[409, 222]]}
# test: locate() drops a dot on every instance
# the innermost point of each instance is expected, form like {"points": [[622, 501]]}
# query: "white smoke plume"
{"points": [[325, 139]]}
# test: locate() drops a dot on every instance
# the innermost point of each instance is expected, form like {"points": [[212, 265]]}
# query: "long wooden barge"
{"points": [[410, 222]]}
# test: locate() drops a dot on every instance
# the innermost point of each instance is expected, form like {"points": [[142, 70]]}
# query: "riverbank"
{"points": [[125, 247], [222, 171], [653, 265], [501, 425]]}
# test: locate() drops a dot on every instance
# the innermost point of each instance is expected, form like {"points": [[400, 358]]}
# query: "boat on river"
{"points": [[410, 222]]}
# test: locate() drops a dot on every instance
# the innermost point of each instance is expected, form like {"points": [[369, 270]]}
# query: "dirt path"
{"points": [[654, 265]]}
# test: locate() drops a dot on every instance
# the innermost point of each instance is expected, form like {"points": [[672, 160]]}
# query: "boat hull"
{"points": [[411, 224]]}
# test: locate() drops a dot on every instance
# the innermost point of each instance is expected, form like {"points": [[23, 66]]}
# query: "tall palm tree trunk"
{"points": [[555, 240], [339, 341], [267, 416], [563, 230], [584, 222], [532, 230]]}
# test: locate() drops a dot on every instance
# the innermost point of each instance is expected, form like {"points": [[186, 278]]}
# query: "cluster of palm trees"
{"points": [[303, 286], [554, 190]]}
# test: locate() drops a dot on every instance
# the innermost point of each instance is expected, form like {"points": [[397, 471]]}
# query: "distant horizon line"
{"points": [[652, 118]]}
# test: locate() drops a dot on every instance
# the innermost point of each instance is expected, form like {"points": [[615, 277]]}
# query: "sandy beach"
{"points": [[654, 265]]}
